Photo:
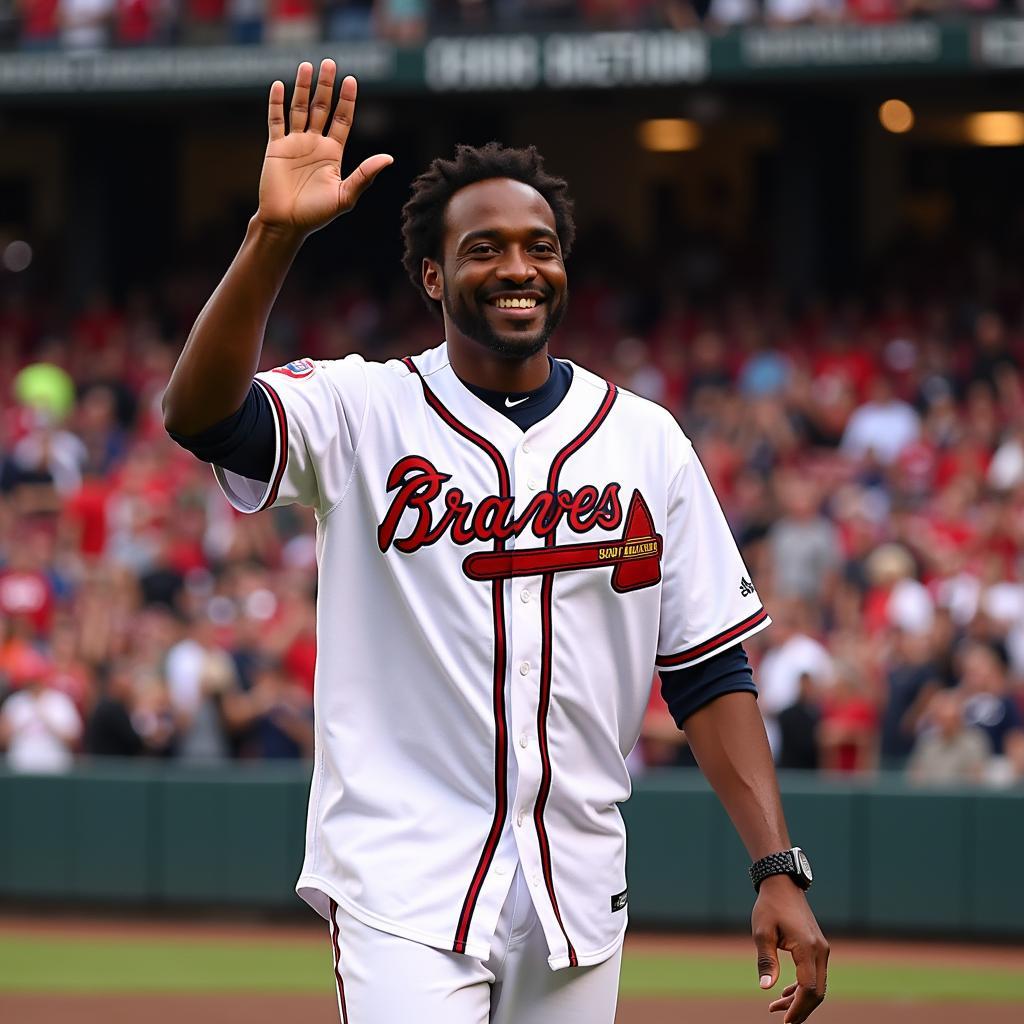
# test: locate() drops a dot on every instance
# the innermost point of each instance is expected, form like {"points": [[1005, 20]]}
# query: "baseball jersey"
{"points": [[492, 605]]}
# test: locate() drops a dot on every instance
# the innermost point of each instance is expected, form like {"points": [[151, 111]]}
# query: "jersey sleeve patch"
{"points": [[297, 369], [719, 642]]}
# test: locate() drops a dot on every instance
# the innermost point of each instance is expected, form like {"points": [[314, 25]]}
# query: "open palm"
{"points": [[301, 187]]}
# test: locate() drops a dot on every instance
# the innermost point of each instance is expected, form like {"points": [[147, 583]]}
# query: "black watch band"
{"points": [[787, 862]]}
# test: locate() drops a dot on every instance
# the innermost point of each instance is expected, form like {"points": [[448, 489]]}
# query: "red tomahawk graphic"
{"points": [[636, 557]]}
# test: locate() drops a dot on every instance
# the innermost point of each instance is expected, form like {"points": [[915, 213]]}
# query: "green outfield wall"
{"points": [[888, 859]]}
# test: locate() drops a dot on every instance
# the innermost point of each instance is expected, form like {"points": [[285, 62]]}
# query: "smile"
{"points": [[526, 303]]}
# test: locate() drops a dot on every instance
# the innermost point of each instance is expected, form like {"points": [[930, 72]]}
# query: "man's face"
{"points": [[502, 281]]}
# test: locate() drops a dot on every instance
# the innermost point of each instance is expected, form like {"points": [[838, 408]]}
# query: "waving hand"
{"points": [[301, 187]]}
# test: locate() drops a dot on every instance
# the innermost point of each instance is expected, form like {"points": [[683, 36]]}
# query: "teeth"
{"points": [[516, 303]]}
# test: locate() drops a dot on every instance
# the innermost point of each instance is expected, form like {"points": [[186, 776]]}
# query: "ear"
{"points": [[433, 278]]}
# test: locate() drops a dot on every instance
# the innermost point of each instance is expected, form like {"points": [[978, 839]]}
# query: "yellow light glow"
{"points": [[896, 116], [995, 128], [668, 135]]}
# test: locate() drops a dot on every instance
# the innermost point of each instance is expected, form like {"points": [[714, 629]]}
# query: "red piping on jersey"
{"points": [[282, 423], [545, 666], [500, 654], [335, 937], [720, 640]]}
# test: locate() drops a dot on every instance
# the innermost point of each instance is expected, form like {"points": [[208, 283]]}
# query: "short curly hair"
{"points": [[423, 214]]}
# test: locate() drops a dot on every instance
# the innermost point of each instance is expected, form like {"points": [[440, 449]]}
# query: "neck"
{"points": [[479, 366]]}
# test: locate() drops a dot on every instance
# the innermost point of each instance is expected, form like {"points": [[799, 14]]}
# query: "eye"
{"points": [[545, 248], [482, 249]]}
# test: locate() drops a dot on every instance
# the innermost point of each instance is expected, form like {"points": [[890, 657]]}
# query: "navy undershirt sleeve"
{"points": [[687, 690], [243, 442]]}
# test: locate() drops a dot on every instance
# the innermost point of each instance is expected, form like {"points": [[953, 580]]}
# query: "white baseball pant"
{"points": [[385, 979]]}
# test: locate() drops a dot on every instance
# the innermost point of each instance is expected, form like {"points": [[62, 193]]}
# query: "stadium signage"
{"points": [[562, 61], [184, 68], [482, 62], [916, 43], [606, 59], [521, 61], [1000, 43]]}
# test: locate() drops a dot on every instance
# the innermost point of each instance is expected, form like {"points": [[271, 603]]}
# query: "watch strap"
{"points": [[782, 863]]}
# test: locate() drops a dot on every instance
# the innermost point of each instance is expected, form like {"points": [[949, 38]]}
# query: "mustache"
{"points": [[512, 293]]}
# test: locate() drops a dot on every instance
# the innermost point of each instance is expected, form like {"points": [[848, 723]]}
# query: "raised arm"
{"points": [[301, 191]]}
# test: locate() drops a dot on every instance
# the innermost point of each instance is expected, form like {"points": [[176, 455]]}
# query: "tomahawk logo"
{"points": [[636, 556]]}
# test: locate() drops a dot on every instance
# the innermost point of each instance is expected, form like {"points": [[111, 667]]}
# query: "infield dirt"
{"points": [[222, 1009]]}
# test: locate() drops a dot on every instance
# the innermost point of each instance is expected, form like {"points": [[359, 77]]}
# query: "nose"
{"points": [[516, 267]]}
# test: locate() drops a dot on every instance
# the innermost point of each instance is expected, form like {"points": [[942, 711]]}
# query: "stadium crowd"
{"points": [[869, 457], [96, 24]]}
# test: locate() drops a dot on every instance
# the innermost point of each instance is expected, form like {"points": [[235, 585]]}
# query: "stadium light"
{"points": [[17, 256], [668, 135], [896, 116], [995, 128]]}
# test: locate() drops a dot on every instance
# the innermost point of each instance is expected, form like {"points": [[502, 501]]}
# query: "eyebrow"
{"points": [[483, 234]]}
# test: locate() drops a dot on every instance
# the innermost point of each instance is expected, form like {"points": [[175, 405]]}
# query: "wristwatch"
{"points": [[792, 862]]}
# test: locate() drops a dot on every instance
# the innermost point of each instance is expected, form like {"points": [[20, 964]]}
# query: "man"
{"points": [[506, 544]]}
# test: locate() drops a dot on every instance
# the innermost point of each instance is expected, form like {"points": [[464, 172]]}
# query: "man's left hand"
{"points": [[782, 919]]}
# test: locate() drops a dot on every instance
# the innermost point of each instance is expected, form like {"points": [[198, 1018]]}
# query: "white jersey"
{"points": [[492, 605]]}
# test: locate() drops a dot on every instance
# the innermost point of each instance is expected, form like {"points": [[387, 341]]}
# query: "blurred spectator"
{"points": [[804, 545], [203, 688], [347, 19], [401, 21], [26, 589], [848, 736], [202, 22], [789, 12], [948, 750], [142, 22], [278, 717], [911, 681], [989, 705], [882, 427], [85, 24], [246, 19], [39, 726], [291, 22], [109, 731], [799, 725], [792, 655], [40, 24]]}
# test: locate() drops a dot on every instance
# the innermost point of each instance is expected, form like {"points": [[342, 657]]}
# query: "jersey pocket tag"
{"points": [[620, 900]]}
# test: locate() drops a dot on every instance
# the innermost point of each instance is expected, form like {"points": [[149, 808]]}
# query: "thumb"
{"points": [[362, 177], [767, 958]]}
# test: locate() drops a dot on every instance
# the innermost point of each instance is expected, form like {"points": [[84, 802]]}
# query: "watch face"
{"points": [[805, 866]]}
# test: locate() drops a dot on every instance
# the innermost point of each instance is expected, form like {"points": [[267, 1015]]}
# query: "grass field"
{"points": [[37, 963]]}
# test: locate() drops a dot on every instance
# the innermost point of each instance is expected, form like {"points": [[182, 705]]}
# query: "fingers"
{"points": [[345, 111], [362, 178], [785, 1001], [321, 106], [275, 112], [810, 990], [766, 941], [299, 111]]}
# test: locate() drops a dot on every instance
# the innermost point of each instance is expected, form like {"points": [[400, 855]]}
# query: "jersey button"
{"points": [[525, 597], [532, 483], [526, 446], [519, 819], [523, 740], [524, 669]]}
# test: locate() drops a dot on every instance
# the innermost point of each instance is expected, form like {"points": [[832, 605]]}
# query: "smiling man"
{"points": [[508, 546]]}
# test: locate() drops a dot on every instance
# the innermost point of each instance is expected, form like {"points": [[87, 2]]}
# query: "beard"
{"points": [[473, 323]]}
